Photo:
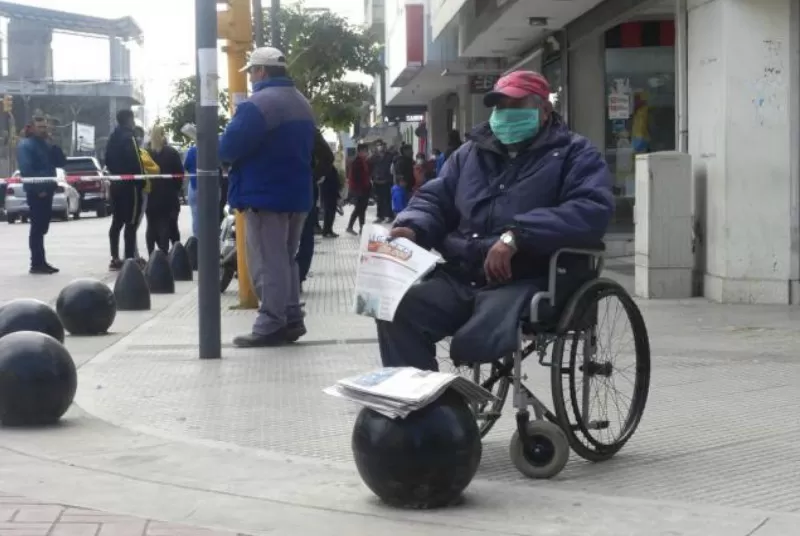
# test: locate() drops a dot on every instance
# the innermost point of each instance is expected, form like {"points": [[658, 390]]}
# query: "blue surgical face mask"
{"points": [[514, 125]]}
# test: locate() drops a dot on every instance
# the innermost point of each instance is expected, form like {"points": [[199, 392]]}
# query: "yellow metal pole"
{"points": [[237, 89]]}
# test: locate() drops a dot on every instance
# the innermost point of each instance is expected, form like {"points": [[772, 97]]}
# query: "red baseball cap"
{"points": [[518, 85]]}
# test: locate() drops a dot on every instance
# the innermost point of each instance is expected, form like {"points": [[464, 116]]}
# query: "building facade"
{"points": [[715, 78], [27, 74]]}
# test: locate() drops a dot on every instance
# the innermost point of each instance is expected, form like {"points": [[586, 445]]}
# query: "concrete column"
{"points": [[587, 90], [464, 109], [742, 66], [437, 123], [663, 238], [115, 58]]}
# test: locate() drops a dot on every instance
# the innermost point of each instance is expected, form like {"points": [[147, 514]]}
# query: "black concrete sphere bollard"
{"points": [[191, 250], [159, 274], [86, 307], [130, 289], [38, 379], [26, 314], [423, 461]]}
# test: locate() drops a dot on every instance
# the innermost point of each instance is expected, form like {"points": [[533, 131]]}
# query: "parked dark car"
{"points": [[95, 194]]}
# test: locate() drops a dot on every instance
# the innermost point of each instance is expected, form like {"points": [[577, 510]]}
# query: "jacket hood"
{"points": [[554, 133]]}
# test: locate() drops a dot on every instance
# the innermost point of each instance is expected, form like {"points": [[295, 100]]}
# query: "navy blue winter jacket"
{"points": [[37, 158], [269, 144], [554, 194]]}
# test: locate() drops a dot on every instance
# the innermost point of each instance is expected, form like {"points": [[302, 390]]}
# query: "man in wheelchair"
{"points": [[522, 187]]}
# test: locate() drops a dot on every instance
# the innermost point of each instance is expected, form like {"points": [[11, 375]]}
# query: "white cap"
{"points": [[265, 57], [190, 131]]}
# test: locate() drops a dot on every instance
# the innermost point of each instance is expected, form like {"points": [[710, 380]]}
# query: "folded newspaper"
{"points": [[387, 268], [396, 392]]}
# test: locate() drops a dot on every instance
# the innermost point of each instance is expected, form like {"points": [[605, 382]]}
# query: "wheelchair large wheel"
{"points": [[494, 377], [584, 356]]}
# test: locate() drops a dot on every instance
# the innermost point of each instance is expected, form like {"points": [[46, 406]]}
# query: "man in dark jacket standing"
{"points": [[268, 144], [38, 158], [321, 160], [381, 168], [521, 188], [127, 198]]}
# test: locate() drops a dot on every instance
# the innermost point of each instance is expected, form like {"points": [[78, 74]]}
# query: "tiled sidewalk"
{"points": [[20, 516]]}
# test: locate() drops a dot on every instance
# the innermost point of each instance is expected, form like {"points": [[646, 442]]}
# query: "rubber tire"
{"points": [[102, 212], [556, 436], [77, 215], [24, 219], [573, 310], [11, 219], [226, 276]]}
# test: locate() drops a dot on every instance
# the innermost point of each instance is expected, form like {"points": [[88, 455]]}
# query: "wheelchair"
{"points": [[566, 320]]}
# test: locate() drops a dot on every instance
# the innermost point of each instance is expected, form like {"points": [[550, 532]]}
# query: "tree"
{"points": [[182, 108], [321, 48]]}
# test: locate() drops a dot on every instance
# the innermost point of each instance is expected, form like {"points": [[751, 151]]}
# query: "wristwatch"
{"points": [[508, 239]]}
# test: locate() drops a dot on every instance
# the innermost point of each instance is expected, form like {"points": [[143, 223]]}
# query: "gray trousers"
{"points": [[272, 240]]}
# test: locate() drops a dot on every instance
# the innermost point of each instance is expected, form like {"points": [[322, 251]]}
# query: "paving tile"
{"points": [[75, 529], [38, 514]]}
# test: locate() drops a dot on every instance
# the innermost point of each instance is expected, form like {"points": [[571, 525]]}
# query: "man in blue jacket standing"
{"points": [[38, 158], [268, 146]]}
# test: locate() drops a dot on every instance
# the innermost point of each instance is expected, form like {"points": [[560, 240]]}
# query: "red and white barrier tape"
{"points": [[92, 178]]}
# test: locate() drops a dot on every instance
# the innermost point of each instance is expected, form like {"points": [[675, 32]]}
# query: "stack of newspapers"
{"points": [[396, 392]]}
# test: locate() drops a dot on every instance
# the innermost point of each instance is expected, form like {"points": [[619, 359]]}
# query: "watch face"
{"points": [[508, 239]]}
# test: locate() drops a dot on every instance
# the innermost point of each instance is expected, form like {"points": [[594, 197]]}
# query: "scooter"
{"points": [[227, 248]]}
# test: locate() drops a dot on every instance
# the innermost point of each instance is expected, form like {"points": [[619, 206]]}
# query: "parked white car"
{"points": [[66, 201]]}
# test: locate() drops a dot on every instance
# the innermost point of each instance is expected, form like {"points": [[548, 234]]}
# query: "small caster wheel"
{"points": [[545, 453]]}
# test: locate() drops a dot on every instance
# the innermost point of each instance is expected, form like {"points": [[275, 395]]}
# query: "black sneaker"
{"points": [[53, 269], [295, 330], [352, 232], [330, 234], [115, 265], [255, 340], [40, 270], [378, 220]]}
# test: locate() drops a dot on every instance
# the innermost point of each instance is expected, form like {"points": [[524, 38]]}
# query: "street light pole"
{"points": [[209, 305], [274, 14], [258, 22]]}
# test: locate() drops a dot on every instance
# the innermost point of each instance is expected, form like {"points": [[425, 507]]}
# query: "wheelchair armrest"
{"points": [[594, 255]]}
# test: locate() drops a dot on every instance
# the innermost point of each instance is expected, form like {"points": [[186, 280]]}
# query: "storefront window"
{"points": [[553, 72], [640, 114]]}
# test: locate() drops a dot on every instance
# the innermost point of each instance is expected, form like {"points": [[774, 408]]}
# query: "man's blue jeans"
{"points": [[305, 253]]}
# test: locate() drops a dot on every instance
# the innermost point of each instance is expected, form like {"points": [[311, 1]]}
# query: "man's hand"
{"points": [[497, 265], [403, 232]]}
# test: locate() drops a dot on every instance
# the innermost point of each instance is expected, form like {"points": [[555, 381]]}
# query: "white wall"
{"points": [[739, 137]]}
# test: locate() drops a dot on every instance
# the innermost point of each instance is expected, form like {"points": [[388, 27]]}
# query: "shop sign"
{"points": [[482, 83]]}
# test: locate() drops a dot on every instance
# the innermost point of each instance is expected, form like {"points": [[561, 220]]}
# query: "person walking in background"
{"points": [[268, 146], [359, 188], [122, 158], [329, 192], [321, 159], [381, 169], [400, 196], [163, 201], [37, 157], [190, 165], [453, 143], [403, 167]]}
